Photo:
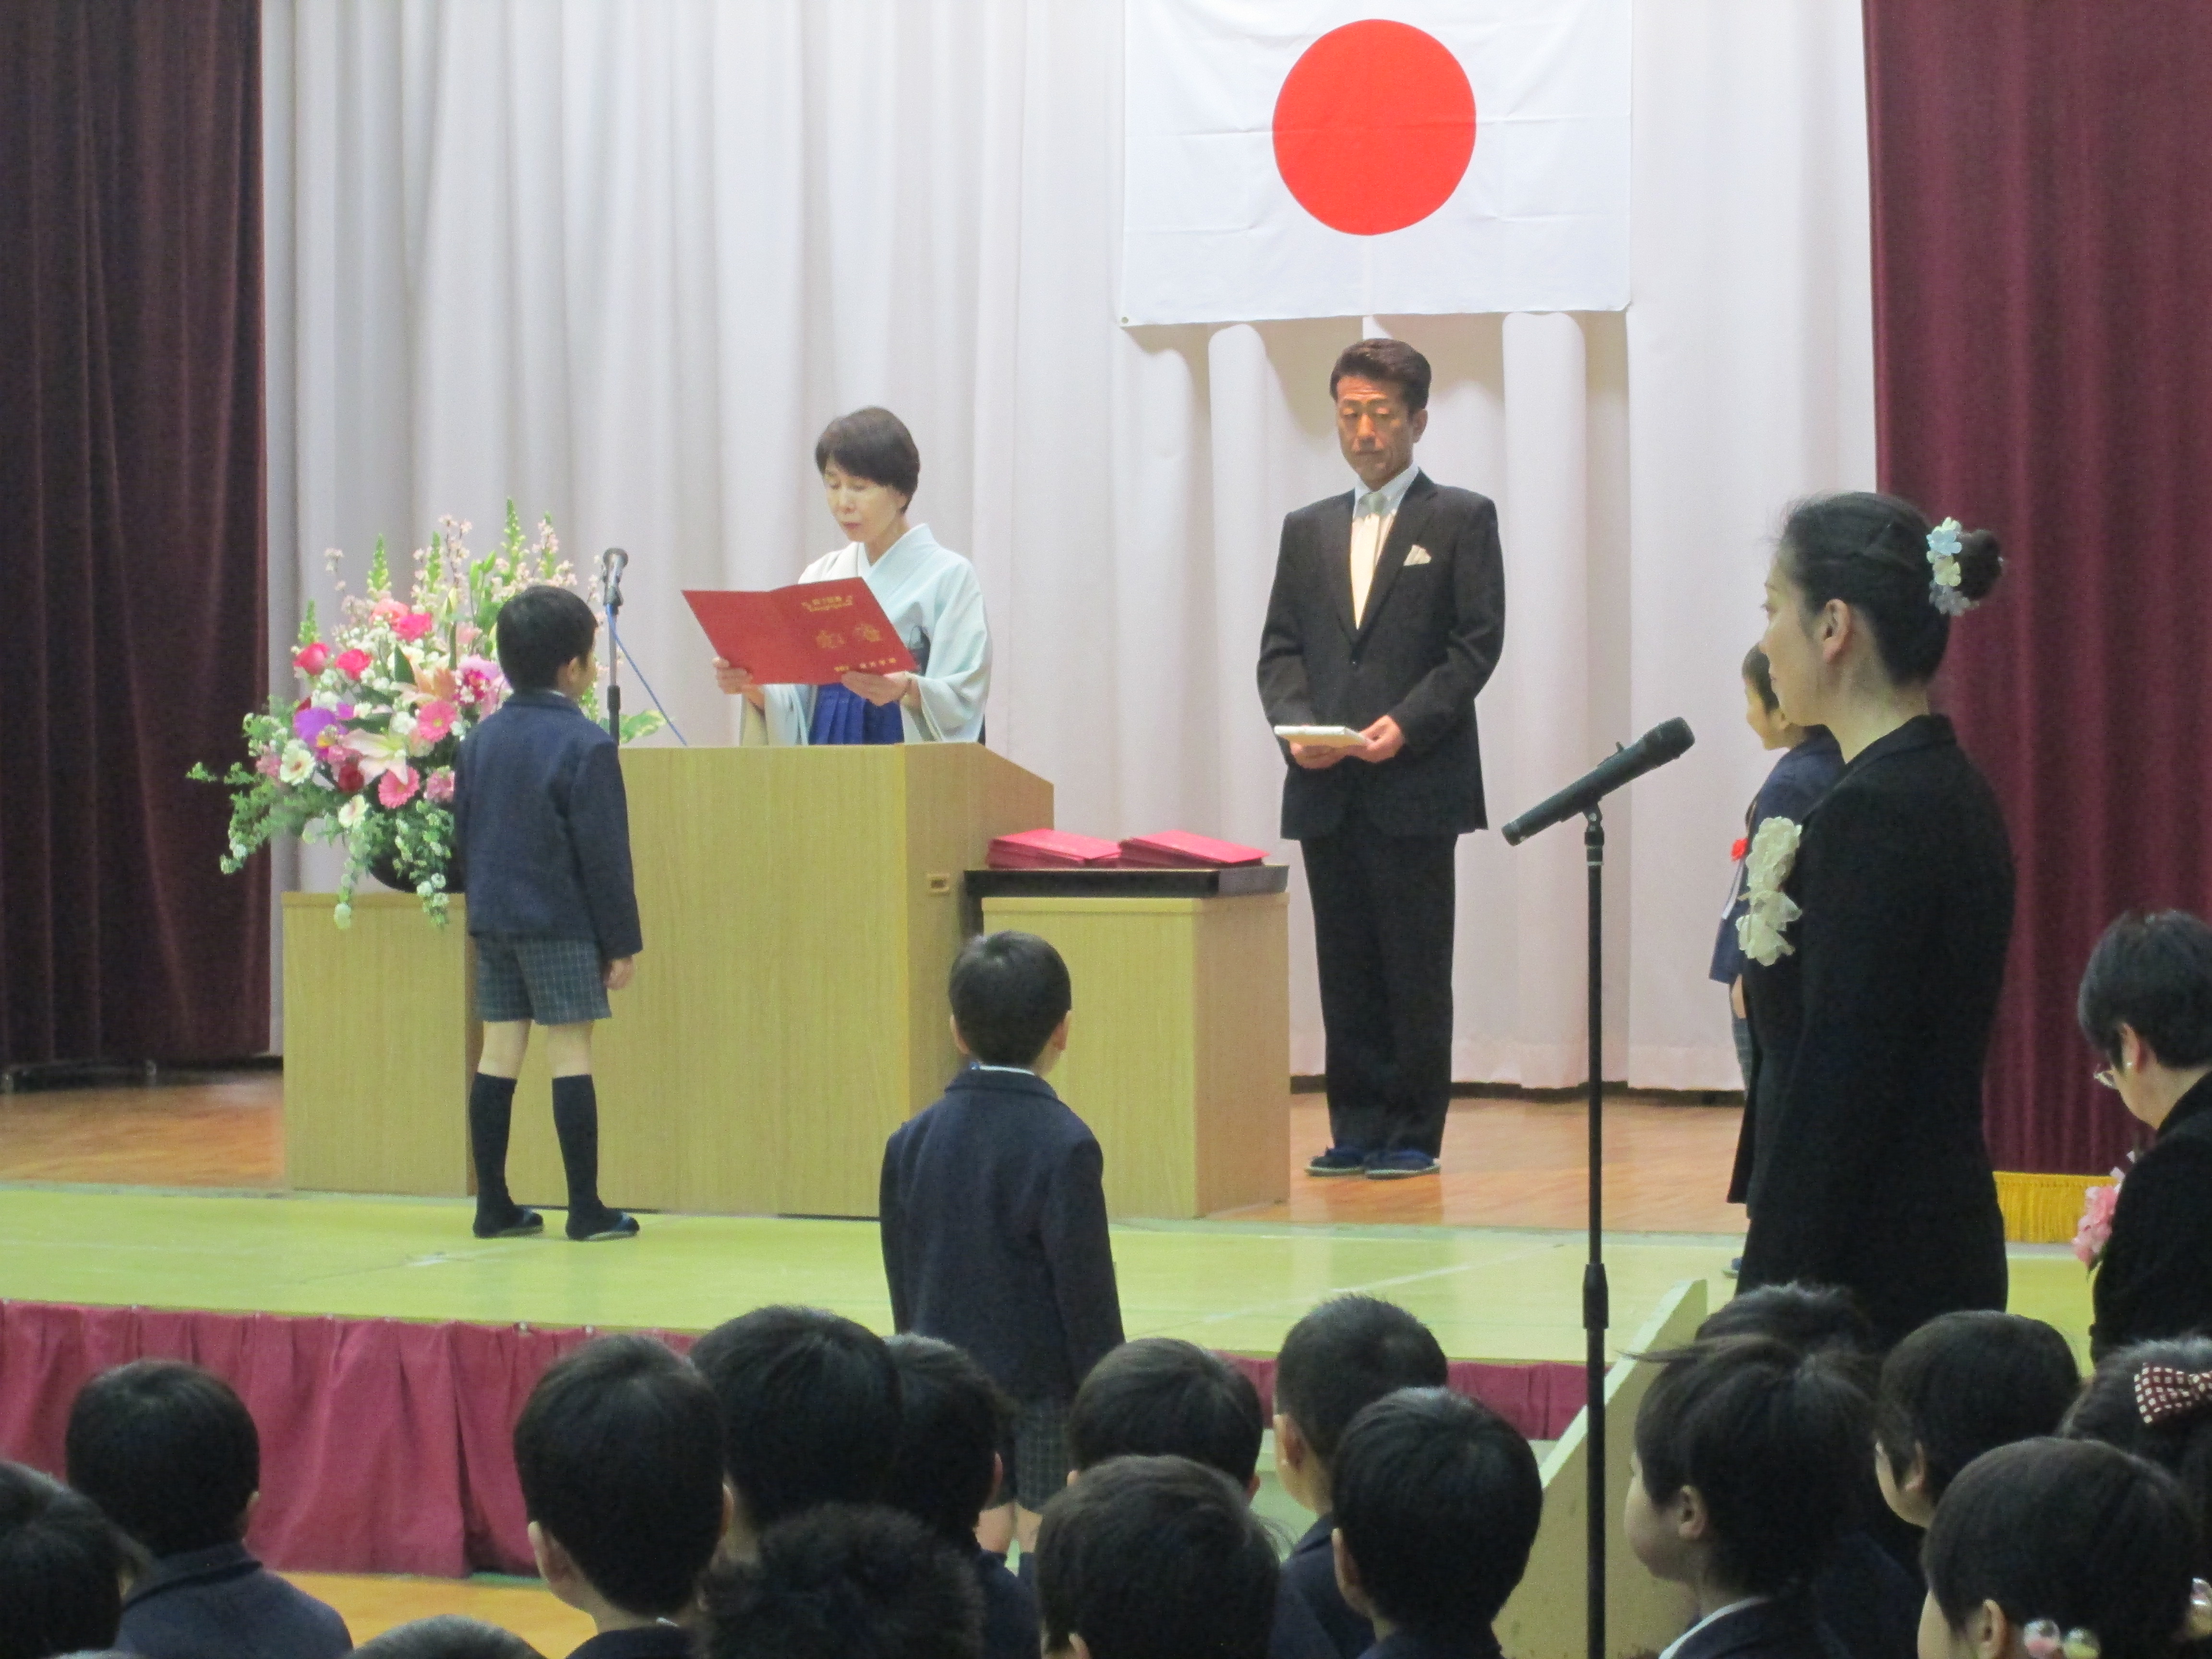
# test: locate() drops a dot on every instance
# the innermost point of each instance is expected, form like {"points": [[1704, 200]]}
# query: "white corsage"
{"points": [[1768, 911], [1943, 561]]}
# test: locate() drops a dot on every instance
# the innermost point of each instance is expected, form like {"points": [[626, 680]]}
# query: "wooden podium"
{"points": [[801, 908]]}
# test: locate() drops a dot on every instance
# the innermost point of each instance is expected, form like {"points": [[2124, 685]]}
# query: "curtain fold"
{"points": [[2043, 253], [132, 537]]}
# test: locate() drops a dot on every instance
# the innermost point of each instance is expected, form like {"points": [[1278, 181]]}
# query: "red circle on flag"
{"points": [[1374, 127]]}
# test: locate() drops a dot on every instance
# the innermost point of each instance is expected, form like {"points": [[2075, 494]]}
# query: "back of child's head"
{"points": [[1161, 1396], [1343, 1357], [620, 1455], [447, 1636], [1437, 1498], [845, 1581], [1010, 991], [168, 1450], [2075, 1533], [1774, 1439], [1810, 1318], [1966, 1381], [1155, 1558], [540, 631], [2165, 1416], [952, 1417], [1759, 675], [810, 1404], [61, 1569]]}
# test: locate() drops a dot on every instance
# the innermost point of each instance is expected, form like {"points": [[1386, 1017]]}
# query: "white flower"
{"points": [[1768, 911], [342, 915], [298, 764], [1943, 553], [379, 752], [353, 811], [403, 723], [1773, 852]]}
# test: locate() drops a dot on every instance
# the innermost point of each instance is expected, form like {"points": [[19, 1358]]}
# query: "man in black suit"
{"points": [[1387, 617]]}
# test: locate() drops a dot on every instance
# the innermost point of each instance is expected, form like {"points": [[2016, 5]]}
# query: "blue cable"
{"points": [[616, 635]]}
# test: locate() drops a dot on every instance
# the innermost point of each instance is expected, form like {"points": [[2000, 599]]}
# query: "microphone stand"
{"points": [[1596, 1295], [610, 604]]}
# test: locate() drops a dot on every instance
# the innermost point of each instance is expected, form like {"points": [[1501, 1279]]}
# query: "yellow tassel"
{"points": [[2043, 1209]]}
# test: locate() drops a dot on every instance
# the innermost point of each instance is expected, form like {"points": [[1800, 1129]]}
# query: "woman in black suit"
{"points": [[1877, 932]]}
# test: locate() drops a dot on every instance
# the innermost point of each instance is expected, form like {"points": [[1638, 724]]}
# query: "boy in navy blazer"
{"points": [[542, 827], [994, 1212]]}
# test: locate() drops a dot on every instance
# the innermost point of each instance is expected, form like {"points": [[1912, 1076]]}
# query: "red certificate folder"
{"points": [[1179, 850], [807, 634]]}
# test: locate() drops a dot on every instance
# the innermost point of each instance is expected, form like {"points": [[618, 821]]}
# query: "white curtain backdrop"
{"points": [[622, 262]]}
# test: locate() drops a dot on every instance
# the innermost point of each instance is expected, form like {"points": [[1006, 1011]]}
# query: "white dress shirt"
{"points": [[1712, 1618], [1373, 513]]}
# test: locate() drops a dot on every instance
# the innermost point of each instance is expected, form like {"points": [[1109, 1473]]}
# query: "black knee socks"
{"points": [[491, 1110], [576, 1121]]}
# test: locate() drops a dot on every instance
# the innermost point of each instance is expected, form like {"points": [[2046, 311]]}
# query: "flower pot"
{"points": [[385, 867]]}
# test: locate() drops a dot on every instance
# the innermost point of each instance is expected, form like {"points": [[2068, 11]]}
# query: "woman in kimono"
{"points": [[1876, 932], [869, 467]]}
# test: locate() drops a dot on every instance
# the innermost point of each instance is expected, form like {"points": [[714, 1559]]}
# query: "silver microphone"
{"points": [[613, 563]]}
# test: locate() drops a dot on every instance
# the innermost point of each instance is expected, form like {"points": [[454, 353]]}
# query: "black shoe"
{"points": [[518, 1223], [603, 1224], [1338, 1161], [1734, 1269], [1396, 1166]]}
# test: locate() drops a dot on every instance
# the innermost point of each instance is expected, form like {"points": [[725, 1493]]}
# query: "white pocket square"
{"points": [[1418, 555]]}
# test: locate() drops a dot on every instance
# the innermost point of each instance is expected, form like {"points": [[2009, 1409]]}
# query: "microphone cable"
{"points": [[615, 634]]}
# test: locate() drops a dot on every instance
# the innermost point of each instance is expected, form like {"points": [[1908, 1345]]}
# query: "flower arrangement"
{"points": [[1768, 911], [2095, 1231], [364, 754]]}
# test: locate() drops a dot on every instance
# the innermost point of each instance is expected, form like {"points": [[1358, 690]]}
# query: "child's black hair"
{"points": [[1871, 552], [1774, 1440], [845, 1582], [1010, 991], [168, 1451], [2075, 1531], [540, 630], [810, 1404], [61, 1569], [1345, 1355], [1759, 675], [1966, 1382], [2107, 1410], [1438, 1498], [1162, 1396], [952, 1417], [1155, 1558], [447, 1636], [1810, 1318], [2154, 975], [619, 1454]]}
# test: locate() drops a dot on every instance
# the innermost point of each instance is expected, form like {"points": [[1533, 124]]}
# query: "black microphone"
{"points": [[1653, 750], [613, 563]]}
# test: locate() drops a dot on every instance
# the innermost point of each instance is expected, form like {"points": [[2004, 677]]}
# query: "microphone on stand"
{"points": [[613, 563], [1662, 743]]}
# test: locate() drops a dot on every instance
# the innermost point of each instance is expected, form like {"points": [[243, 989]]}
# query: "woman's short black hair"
{"points": [[809, 1403], [872, 444], [61, 1569], [1155, 1558], [2075, 1531], [1966, 1381], [1009, 991], [1391, 361], [2107, 1411], [846, 1581], [168, 1451], [1438, 1498], [447, 1636], [540, 630], [619, 1453], [1345, 1355], [1162, 1396], [1774, 1440], [1871, 552], [2154, 975], [951, 1419]]}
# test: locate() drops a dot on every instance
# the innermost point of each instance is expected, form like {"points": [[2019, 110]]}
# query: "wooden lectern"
{"points": [[801, 908]]}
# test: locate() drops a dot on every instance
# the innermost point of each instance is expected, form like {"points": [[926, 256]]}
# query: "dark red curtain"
{"points": [[2043, 317], [131, 524]]}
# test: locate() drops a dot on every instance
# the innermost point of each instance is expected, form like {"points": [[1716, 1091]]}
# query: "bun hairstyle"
{"points": [[2076, 1533], [2180, 1441], [1871, 552]]}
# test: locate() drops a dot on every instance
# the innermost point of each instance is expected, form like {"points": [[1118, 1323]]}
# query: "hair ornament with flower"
{"points": [[1947, 575], [1768, 911], [2042, 1640]]}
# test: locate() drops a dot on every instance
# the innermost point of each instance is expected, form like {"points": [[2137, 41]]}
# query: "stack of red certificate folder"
{"points": [[1179, 850], [1051, 849]]}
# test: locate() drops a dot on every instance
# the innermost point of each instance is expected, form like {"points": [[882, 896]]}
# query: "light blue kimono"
{"points": [[931, 595]]}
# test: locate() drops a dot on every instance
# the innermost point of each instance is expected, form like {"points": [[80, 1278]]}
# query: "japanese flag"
{"points": [[1321, 158]]}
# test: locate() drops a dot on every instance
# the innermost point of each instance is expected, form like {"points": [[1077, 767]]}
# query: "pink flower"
{"points": [[2095, 1232], [312, 658], [435, 719], [383, 610], [395, 788], [267, 765], [482, 684], [351, 779], [438, 787], [466, 634], [353, 664], [414, 625]]}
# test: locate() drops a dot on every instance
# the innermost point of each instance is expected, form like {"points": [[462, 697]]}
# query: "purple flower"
{"points": [[308, 725]]}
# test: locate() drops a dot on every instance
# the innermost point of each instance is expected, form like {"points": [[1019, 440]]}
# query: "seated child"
{"points": [[447, 1636], [1154, 1558], [1340, 1358], [951, 1418], [170, 1453], [1742, 1481], [1437, 1499], [809, 1410], [620, 1455], [2046, 1546], [1161, 1396], [61, 1569], [2169, 1421], [845, 1582], [1959, 1385], [994, 1212]]}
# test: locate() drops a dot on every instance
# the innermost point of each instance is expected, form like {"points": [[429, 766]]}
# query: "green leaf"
{"points": [[379, 570], [310, 629]]}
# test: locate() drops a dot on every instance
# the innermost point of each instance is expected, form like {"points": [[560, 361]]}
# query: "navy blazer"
{"points": [[1010, 1608], [1426, 642], [2155, 1279], [543, 827], [1792, 789], [1310, 1577], [220, 1603], [1785, 1628], [1478, 1643], [994, 1220]]}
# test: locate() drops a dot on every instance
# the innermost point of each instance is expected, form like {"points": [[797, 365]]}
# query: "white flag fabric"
{"points": [[1321, 158]]}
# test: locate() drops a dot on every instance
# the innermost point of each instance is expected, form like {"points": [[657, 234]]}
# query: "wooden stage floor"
{"points": [[1508, 1161]]}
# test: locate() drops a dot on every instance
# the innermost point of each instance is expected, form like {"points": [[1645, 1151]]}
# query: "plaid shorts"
{"points": [[554, 981], [1035, 1455]]}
